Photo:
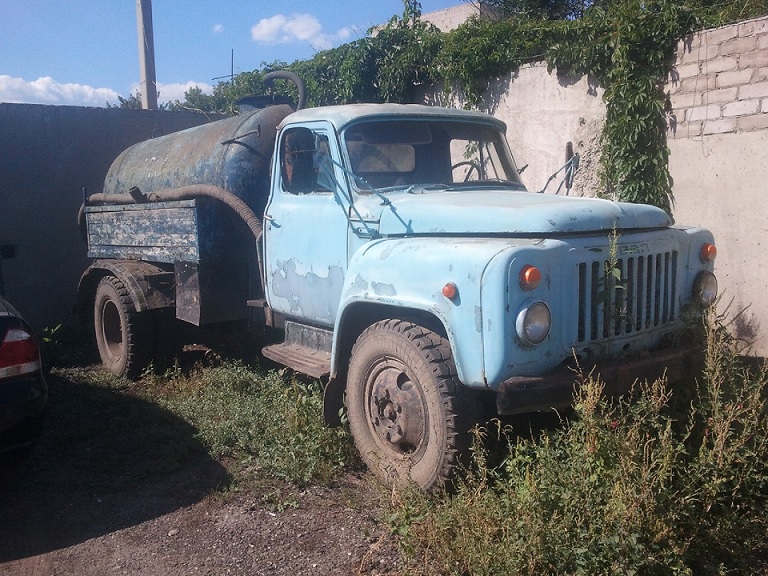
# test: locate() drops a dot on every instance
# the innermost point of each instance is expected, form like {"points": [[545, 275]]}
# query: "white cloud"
{"points": [[169, 92], [46, 90], [282, 29], [218, 28]]}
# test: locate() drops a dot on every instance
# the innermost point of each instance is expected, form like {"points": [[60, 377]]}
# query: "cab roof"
{"points": [[343, 115]]}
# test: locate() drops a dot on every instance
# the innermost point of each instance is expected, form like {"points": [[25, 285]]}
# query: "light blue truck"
{"points": [[401, 260]]}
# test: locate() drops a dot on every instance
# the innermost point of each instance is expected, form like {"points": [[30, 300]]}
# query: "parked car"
{"points": [[23, 392]]}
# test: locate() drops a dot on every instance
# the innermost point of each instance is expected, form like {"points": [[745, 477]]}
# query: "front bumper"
{"points": [[554, 390]]}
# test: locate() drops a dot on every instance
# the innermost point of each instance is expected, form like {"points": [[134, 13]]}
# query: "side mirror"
{"points": [[571, 165]]}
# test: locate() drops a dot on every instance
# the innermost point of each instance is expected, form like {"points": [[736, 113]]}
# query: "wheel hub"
{"points": [[396, 409]]}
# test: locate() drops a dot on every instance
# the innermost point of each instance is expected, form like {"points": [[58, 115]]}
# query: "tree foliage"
{"points": [[544, 9]]}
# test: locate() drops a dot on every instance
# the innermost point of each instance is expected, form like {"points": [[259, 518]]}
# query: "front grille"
{"points": [[634, 294]]}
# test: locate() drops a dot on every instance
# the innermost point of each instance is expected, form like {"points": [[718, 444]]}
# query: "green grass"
{"points": [[270, 424]]}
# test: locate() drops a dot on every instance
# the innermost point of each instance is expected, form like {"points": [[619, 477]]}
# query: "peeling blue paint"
{"points": [[383, 289], [308, 294], [360, 284]]}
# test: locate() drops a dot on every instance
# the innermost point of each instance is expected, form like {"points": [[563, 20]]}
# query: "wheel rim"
{"points": [[111, 330], [397, 412]]}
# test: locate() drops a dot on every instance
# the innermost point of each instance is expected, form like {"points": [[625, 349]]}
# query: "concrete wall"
{"points": [[718, 140], [47, 155]]}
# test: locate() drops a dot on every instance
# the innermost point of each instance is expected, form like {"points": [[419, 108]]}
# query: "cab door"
{"points": [[306, 227]]}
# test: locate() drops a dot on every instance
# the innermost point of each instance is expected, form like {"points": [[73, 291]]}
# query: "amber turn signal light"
{"points": [[708, 252], [450, 290], [530, 277]]}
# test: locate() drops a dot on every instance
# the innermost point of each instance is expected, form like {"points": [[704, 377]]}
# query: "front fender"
{"points": [[408, 274]]}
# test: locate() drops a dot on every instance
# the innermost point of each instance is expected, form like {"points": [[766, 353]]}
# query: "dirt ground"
{"points": [[99, 495]]}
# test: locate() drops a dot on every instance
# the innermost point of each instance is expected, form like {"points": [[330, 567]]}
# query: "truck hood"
{"points": [[508, 212]]}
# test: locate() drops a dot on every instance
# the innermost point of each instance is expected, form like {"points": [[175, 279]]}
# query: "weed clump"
{"points": [[668, 482]]}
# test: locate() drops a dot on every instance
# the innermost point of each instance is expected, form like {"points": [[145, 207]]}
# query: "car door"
{"points": [[306, 227]]}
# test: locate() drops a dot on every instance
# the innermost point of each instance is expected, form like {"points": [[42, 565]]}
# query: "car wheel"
{"points": [[401, 403], [123, 335]]}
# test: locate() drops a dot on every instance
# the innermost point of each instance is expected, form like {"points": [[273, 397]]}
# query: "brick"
{"points": [[700, 54], [720, 96], [721, 64], [684, 71], [754, 59], [735, 78], [698, 83], [720, 126], [756, 90], [753, 27], [762, 42], [687, 43], [741, 108], [764, 106], [720, 35], [711, 112], [760, 75], [687, 100], [755, 122], [738, 46]]}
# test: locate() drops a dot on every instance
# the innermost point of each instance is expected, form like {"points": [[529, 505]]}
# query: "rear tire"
{"points": [[123, 335], [401, 401]]}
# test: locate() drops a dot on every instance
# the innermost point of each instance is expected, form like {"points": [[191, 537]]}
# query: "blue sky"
{"points": [[84, 52]]}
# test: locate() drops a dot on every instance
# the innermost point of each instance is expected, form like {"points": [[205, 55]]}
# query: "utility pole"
{"points": [[146, 54]]}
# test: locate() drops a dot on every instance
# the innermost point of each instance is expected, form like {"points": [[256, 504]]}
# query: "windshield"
{"points": [[418, 152]]}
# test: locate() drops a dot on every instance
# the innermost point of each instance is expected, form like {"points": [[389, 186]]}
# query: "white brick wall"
{"points": [[720, 81]]}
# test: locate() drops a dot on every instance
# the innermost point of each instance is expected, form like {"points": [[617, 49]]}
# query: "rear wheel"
{"points": [[401, 402], [123, 335]]}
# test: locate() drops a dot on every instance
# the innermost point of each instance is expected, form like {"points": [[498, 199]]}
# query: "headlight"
{"points": [[705, 288], [533, 323]]}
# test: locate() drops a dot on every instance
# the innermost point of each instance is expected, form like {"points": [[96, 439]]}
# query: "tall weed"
{"points": [[673, 481]]}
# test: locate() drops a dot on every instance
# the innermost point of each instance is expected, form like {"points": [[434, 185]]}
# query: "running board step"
{"points": [[306, 349]]}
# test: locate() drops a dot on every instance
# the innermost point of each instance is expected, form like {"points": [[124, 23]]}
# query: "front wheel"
{"points": [[401, 403]]}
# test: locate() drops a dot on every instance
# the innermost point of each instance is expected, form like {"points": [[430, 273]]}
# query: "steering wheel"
{"points": [[473, 166]]}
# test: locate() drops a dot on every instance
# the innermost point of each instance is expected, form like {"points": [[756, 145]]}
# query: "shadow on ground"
{"points": [[107, 460]]}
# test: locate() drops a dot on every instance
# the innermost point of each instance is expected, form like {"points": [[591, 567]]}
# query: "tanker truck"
{"points": [[401, 260]]}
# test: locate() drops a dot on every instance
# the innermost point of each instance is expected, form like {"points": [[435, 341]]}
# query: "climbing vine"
{"points": [[630, 51], [627, 45]]}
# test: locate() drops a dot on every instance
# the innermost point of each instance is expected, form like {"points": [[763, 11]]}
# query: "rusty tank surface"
{"points": [[233, 154]]}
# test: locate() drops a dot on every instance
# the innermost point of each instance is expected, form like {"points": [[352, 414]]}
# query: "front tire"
{"points": [[123, 335], [401, 402]]}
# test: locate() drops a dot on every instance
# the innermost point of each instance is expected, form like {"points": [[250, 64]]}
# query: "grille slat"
{"points": [[643, 298]]}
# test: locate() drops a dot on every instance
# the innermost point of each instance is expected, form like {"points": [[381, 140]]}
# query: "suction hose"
{"points": [[287, 75], [190, 192]]}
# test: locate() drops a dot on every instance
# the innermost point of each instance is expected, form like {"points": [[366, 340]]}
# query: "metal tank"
{"points": [[191, 203], [232, 154]]}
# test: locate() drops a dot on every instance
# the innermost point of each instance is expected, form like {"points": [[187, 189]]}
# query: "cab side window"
{"points": [[297, 151], [305, 162]]}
